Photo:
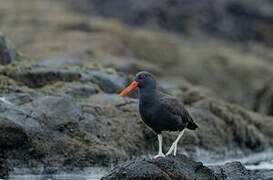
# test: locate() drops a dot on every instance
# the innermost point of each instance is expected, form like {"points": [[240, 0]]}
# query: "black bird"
{"points": [[159, 111]]}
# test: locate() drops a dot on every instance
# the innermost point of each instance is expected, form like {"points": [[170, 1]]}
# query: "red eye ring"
{"points": [[141, 77]]}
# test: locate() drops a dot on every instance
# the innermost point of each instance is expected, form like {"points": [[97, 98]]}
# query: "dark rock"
{"points": [[57, 128], [7, 52], [234, 20], [264, 174], [19, 96], [59, 132], [17, 118], [54, 112], [4, 169], [11, 134], [241, 128], [219, 66], [105, 128], [80, 90], [37, 77], [234, 171], [109, 83], [179, 167]]}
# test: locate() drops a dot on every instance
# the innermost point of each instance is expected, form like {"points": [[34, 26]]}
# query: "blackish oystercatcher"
{"points": [[159, 111]]}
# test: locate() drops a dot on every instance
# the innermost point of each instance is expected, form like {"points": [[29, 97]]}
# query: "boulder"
{"points": [[179, 167], [233, 171], [59, 132]]}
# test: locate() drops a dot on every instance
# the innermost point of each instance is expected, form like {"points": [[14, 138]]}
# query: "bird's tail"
{"points": [[192, 125]]}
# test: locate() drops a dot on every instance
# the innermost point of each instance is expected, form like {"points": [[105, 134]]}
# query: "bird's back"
{"points": [[177, 108], [165, 113]]}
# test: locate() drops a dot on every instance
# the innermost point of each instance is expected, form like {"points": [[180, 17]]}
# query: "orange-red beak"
{"points": [[129, 88]]}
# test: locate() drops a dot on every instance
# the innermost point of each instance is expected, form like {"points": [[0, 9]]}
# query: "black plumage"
{"points": [[160, 111]]}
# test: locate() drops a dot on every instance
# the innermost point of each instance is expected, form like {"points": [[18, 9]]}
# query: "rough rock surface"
{"points": [[4, 170], [179, 167]]}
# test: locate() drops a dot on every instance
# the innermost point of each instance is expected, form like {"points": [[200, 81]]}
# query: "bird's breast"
{"points": [[148, 111]]}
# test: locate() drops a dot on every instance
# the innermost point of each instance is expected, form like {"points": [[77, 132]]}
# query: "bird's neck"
{"points": [[148, 94]]}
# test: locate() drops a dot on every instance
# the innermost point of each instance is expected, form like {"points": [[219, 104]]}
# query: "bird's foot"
{"points": [[173, 149], [159, 155]]}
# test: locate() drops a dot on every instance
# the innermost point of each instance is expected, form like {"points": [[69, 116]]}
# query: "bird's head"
{"points": [[143, 80]]}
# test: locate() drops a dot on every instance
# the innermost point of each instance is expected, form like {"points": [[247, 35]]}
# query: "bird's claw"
{"points": [[159, 155]]}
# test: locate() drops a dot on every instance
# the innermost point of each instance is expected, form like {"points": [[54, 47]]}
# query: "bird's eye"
{"points": [[142, 76]]}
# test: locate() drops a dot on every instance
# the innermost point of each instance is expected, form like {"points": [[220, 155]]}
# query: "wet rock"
{"points": [[7, 52], [4, 170], [19, 96], [264, 174], [234, 171], [11, 134], [54, 112], [19, 119], [179, 167]]}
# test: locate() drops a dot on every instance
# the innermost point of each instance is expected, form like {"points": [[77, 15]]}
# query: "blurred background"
{"points": [[221, 49], [223, 45]]}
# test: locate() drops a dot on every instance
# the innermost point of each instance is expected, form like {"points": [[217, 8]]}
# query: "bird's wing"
{"points": [[175, 107]]}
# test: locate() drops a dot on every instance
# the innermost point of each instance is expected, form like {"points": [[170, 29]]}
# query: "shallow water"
{"points": [[263, 160], [57, 177], [268, 165], [87, 174]]}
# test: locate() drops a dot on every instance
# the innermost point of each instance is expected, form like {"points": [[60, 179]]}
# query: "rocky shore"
{"points": [[71, 116], [59, 107], [181, 167]]}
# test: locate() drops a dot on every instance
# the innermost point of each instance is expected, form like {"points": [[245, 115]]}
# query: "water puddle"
{"points": [[257, 161]]}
